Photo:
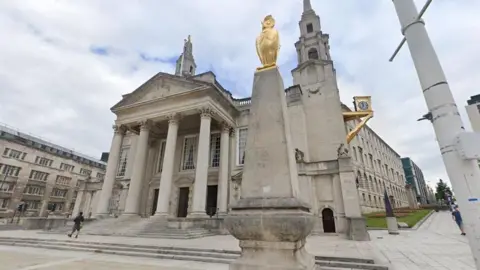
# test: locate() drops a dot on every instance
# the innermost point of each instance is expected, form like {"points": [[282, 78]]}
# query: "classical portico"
{"points": [[179, 142]]}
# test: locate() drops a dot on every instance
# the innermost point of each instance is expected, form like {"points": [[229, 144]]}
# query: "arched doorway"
{"points": [[328, 221]]}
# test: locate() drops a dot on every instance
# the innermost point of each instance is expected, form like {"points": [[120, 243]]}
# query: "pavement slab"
{"points": [[435, 245]]}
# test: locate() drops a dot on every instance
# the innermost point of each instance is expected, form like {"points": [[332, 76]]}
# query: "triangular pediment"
{"points": [[160, 86]]}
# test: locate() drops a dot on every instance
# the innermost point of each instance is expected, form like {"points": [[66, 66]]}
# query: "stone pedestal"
{"points": [[392, 225], [270, 219]]}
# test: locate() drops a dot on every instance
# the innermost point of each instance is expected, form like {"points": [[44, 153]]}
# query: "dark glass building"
{"points": [[414, 177]]}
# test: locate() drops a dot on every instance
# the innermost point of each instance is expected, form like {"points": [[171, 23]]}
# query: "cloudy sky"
{"points": [[64, 63]]}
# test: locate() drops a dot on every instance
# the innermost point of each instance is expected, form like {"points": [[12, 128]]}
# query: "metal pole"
{"points": [[464, 174]]}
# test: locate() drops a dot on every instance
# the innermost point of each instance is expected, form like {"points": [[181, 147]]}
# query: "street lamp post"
{"points": [[459, 148]]}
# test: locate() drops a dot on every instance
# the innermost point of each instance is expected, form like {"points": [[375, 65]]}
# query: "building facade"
{"points": [[473, 111], [378, 167], [43, 175], [414, 177], [179, 143]]}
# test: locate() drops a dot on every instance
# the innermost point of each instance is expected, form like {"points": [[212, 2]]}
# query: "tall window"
{"points": [[161, 156], [214, 156], [9, 170], [38, 175], [242, 143], [360, 152], [355, 153], [122, 164], [189, 150], [309, 28], [4, 203]]}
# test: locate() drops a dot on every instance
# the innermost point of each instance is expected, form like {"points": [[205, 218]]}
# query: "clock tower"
{"points": [[325, 128]]}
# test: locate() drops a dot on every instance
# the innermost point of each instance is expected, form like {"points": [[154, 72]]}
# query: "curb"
{"points": [[422, 220]]}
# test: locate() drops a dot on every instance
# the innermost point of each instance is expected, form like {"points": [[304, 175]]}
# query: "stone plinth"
{"points": [[270, 219], [392, 225]]}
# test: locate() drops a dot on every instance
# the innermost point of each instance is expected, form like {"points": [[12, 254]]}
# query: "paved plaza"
{"points": [[436, 245]]}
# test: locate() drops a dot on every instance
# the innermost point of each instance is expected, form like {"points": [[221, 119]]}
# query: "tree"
{"points": [[442, 189]]}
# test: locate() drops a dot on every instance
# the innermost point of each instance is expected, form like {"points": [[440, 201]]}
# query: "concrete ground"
{"points": [[436, 245]]}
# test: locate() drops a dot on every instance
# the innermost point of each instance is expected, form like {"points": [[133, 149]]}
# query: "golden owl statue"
{"points": [[268, 44]]}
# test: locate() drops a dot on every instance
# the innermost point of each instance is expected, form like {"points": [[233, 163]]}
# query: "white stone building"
{"points": [[43, 174], [179, 141], [378, 167]]}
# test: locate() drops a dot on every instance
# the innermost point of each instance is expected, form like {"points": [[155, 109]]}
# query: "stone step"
{"points": [[191, 254]]}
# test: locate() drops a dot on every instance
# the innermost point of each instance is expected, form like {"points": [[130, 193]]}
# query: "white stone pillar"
{"points": [[112, 165], [132, 206], [163, 203], [78, 203], [222, 199], [201, 169]]}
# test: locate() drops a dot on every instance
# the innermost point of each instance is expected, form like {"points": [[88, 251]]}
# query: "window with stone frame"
{"points": [[86, 172], [38, 175], [214, 156], [100, 176], [66, 167], [309, 28], [43, 161], [122, 163], [7, 187], [34, 190], [360, 153], [12, 153], [188, 153], [56, 192], [9, 170], [241, 145], [4, 203], [313, 54], [161, 155], [33, 205], [63, 180]]}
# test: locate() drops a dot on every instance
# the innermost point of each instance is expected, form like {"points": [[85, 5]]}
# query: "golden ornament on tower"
{"points": [[268, 44]]}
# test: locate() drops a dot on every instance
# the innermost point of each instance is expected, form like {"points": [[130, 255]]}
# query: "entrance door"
{"points": [[183, 202], [155, 201], [211, 207], [328, 221]]}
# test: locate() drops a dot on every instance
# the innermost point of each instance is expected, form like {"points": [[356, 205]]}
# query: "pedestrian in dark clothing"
{"points": [[457, 217], [77, 225]]}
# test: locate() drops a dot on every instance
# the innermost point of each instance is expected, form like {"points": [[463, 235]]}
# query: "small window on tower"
{"points": [[313, 54], [309, 28], [191, 69]]}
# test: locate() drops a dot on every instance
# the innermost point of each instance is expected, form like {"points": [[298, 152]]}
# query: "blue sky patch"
{"points": [[99, 50]]}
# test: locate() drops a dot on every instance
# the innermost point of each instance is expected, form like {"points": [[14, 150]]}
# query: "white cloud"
{"points": [[52, 85]]}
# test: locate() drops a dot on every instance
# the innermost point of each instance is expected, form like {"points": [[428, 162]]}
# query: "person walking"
{"points": [[457, 217], [78, 220]]}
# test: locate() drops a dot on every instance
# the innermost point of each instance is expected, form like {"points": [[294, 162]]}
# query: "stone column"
{"points": [[78, 203], [222, 199], [132, 206], [163, 203], [112, 165], [201, 169], [271, 220]]}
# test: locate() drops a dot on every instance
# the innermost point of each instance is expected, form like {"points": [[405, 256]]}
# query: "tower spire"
{"points": [[307, 6], [186, 63]]}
